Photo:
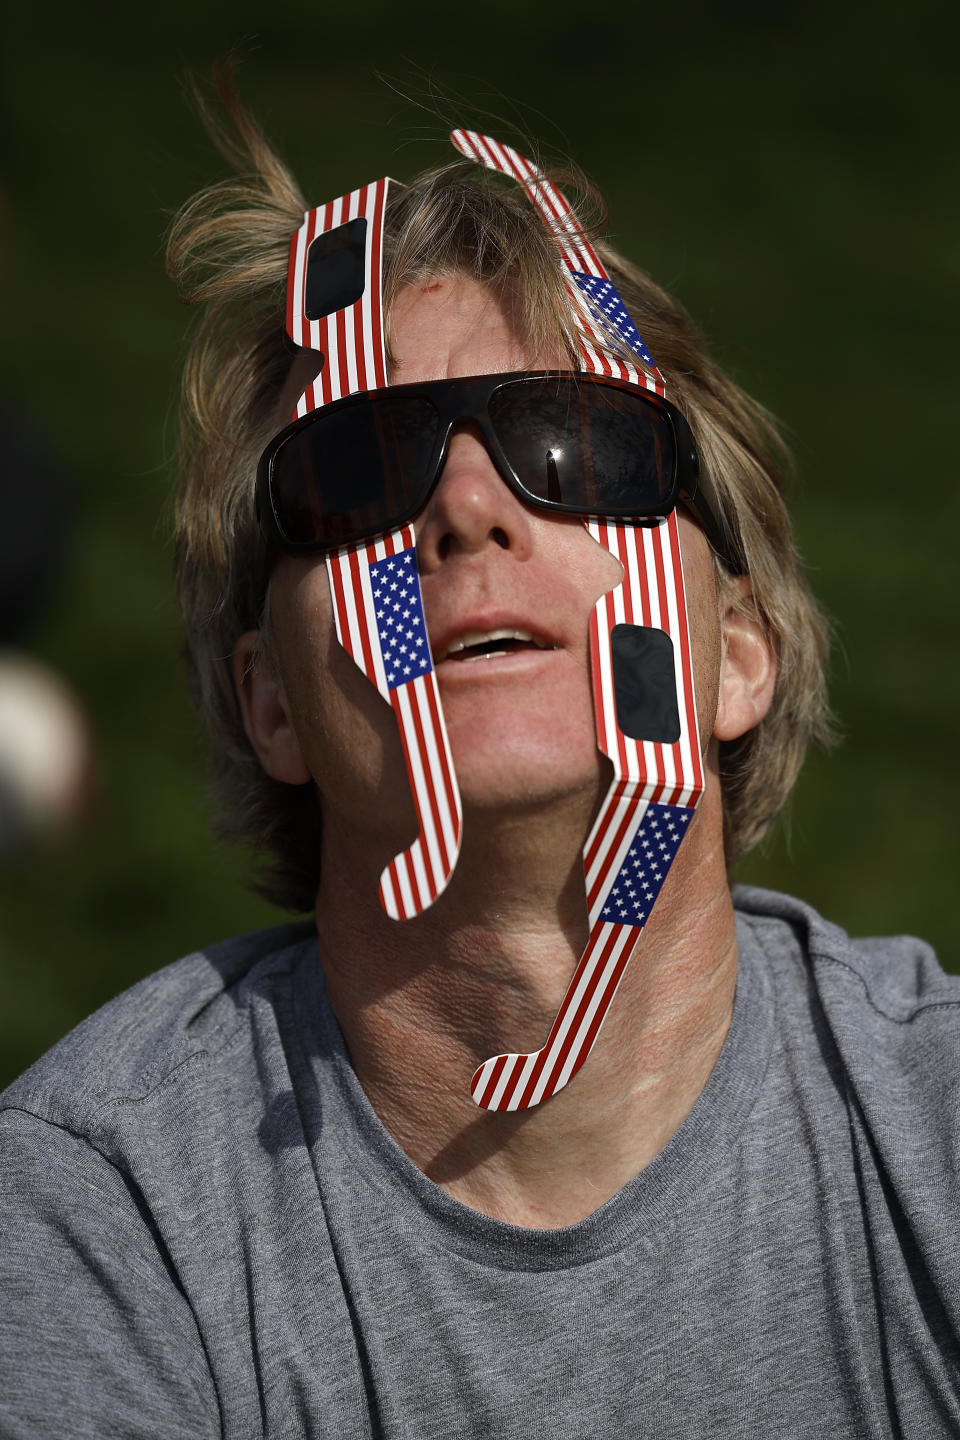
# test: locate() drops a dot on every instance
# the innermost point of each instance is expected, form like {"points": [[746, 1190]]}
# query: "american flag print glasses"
{"points": [[654, 748], [335, 306], [639, 643]]}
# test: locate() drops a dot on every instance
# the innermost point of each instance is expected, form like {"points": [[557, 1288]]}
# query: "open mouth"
{"points": [[493, 645]]}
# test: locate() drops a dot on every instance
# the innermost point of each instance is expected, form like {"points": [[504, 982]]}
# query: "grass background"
{"points": [[789, 171]]}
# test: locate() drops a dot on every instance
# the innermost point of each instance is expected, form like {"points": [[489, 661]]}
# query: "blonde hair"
{"points": [[227, 251]]}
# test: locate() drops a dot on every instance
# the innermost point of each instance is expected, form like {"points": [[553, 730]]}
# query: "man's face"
{"points": [[508, 593]]}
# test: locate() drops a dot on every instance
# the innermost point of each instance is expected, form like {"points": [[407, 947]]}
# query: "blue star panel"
{"points": [[399, 614], [645, 868], [606, 298]]}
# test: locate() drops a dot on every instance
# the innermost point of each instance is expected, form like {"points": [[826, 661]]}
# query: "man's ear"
{"points": [[265, 712], [748, 670]]}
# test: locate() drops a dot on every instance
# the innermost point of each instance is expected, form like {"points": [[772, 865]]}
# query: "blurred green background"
{"points": [[790, 171]]}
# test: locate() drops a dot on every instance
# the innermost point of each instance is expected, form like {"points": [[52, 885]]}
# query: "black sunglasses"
{"points": [[571, 443]]}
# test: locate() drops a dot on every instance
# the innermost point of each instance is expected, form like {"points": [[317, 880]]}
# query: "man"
{"points": [[261, 1194]]}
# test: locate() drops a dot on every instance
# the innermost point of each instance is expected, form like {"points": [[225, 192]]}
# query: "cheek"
{"points": [[301, 622], [706, 645], [346, 731], [595, 569], [703, 622]]}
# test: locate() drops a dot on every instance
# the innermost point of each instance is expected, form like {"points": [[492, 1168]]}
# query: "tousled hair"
{"points": [[227, 251]]}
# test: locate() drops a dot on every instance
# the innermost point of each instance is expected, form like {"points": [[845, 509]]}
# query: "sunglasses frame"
{"points": [[467, 398]]}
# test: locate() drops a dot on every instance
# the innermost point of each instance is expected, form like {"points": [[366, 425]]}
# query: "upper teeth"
{"points": [[480, 637]]}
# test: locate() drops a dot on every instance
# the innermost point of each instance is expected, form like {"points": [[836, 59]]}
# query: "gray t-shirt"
{"points": [[205, 1230]]}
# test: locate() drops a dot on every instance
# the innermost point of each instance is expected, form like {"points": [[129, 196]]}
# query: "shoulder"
{"points": [[887, 1004], [139, 1041], [897, 976]]}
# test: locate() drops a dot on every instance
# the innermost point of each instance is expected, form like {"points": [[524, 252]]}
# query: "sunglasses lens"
{"points": [[355, 470], [591, 448]]}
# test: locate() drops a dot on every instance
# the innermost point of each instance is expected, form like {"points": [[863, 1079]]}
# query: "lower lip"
{"points": [[500, 662]]}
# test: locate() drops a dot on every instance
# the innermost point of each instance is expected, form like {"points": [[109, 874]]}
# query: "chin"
{"points": [[492, 780]]}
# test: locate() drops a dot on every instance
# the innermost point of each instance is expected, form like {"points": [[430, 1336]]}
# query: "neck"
{"points": [[422, 1003]]}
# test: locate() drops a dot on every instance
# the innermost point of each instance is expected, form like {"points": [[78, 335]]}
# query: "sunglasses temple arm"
{"points": [[700, 498]]}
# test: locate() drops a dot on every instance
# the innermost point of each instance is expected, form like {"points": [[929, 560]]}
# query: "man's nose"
{"points": [[470, 507]]}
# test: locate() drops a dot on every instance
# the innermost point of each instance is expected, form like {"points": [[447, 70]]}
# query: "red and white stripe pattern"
{"points": [[350, 340], [352, 343], [576, 252], [646, 774], [415, 878], [651, 594]]}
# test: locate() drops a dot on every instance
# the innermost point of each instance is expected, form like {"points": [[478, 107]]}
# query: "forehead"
{"points": [[452, 325]]}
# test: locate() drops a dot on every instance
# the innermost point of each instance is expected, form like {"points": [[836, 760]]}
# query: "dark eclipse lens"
{"points": [[336, 270]]}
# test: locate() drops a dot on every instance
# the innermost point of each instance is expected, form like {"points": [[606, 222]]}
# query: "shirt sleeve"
{"points": [[96, 1336]]}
